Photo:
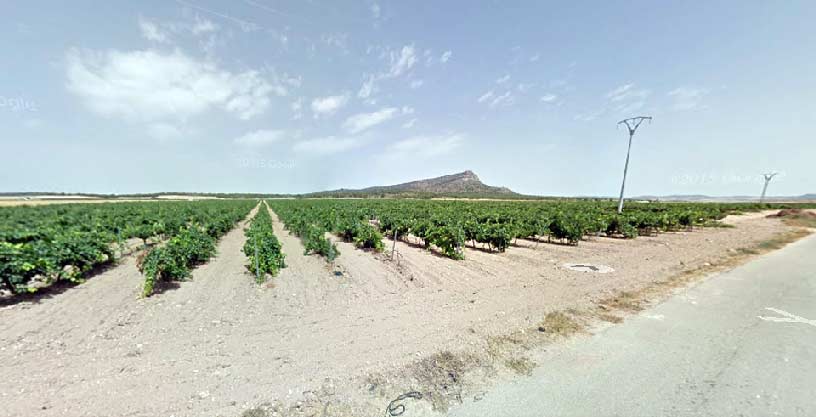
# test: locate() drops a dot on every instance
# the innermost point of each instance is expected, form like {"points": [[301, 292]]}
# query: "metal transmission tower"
{"points": [[632, 124], [768, 177]]}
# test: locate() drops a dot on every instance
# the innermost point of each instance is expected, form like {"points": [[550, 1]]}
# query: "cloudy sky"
{"points": [[296, 96]]}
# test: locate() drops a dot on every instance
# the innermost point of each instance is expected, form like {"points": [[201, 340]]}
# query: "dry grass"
{"points": [[561, 324], [626, 300], [520, 365], [782, 240], [801, 221], [498, 345], [797, 217], [610, 318], [441, 377], [255, 412]]}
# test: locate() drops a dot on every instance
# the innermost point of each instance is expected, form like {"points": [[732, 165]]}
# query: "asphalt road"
{"points": [[742, 343]]}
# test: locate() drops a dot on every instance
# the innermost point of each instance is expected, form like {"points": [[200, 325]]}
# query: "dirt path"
{"points": [[307, 281], [220, 344]]}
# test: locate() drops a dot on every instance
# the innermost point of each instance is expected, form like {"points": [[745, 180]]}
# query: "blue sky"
{"points": [[298, 96]]}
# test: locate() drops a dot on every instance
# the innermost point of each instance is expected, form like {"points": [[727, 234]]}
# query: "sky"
{"points": [[298, 96]]}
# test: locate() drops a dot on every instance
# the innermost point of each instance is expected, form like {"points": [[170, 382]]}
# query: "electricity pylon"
{"points": [[768, 177], [632, 124]]}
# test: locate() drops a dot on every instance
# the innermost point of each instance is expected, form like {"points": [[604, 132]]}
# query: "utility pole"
{"points": [[632, 124], [768, 177]]}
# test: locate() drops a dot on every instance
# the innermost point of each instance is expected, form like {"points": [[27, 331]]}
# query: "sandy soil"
{"points": [[735, 220], [219, 344]]}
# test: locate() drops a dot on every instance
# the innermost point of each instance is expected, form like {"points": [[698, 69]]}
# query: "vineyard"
{"points": [[46, 244], [273, 289], [448, 226]]}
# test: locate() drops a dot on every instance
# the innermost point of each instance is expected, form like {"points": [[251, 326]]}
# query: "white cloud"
{"points": [[688, 98], [402, 61], [369, 87], [338, 41], [429, 59], [151, 31], [426, 146], [535, 58], [160, 31], [502, 80], [505, 99], [445, 56], [590, 116], [484, 97], [524, 87], [407, 110], [326, 106], [627, 92], [151, 85], [327, 145], [375, 10], [549, 98], [282, 38], [627, 98], [409, 124], [259, 138], [363, 121], [203, 26], [494, 100], [282, 83], [630, 107], [623, 100], [416, 84], [297, 109]]}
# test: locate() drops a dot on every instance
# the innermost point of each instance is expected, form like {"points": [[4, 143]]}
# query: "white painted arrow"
{"points": [[789, 318]]}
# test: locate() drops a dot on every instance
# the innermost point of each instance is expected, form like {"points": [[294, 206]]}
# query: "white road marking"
{"points": [[789, 318], [658, 317]]}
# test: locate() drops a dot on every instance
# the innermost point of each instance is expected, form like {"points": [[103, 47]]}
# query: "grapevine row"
{"points": [[448, 226], [262, 247], [41, 245], [312, 225], [192, 245]]}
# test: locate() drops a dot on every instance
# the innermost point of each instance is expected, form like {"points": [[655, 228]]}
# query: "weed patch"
{"points": [[520, 365], [441, 378], [626, 301], [561, 324]]}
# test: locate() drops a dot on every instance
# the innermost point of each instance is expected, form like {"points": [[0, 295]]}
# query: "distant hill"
{"points": [[461, 185], [465, 184]]}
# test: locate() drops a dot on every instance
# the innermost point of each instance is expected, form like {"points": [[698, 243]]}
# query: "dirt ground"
{"points": [[319, 339]]}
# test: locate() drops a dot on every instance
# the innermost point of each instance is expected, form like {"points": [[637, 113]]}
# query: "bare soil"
{"points": [[322, 339]]}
